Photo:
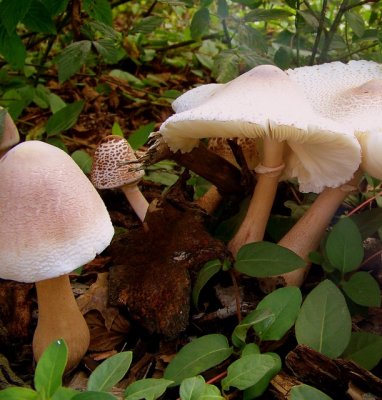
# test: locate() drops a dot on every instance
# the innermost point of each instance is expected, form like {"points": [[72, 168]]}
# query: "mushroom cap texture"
{"points": [[52, 220], [9, 134], [107, 171], [262, 102]]}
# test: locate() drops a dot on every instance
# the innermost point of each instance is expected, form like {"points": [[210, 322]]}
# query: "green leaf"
{"points": [[226, 66], [108, 50], [148, 389], [363, 289], [94, 395], [64, 393], [72, 58], [55, 7], [223, 9], [55, 102], [198, 356], [356, 23], [65, 118], [365, 349], [110, 372], [368, 222], [248, 370], [38, 19], [343, 246], [309, 17], [204, 275], [304, 392], [126, 76], [12, 12], [283, 57], [200, 23], [324, 321], [192, 388], [18, 393], [116, 130], [211, 392], [100, 10], [264, 317], [284, 304], [139, 137], [50, 368], [18, 99], [252, 38], [264, 259], [83, 160], [267, 15], [250, 348], [147, 25], [12, 48]]}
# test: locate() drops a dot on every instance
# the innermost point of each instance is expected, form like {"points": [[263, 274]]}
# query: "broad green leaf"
{"points": [[18, 393], [12, 12], [94, 395], [64, 393], [264, 317], [18, 99], [126, 76], [108, 49], [324, 321], [261, 386], [363, 289], [139, 137], [264, 259], [252, 38], [283, 57], [200, 23], [100, 10], [148, 389], [83, 160], [304, 392], [12, 48], [223, 9], [72, 58], [356, 22], [38, 19], [65, 118], [284, 304], [192, 388], [226, 66], [55, 7], [267, 15], [55, 102], [50, 368], [343, 246], [198, 356], [365, 349], [211, 392], [368, 222], [110, 372], [310, 18], [147, 25], [248, 370], [250, 348], [204, 275]]}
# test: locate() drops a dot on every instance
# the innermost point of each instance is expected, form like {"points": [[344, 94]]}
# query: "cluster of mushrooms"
{"points": [[320, 125]]}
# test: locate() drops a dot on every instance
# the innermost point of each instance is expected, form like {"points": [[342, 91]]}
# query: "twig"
{"points": [[320, 29]]}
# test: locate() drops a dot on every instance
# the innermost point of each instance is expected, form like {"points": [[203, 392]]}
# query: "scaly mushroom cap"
{"points": [[107, 171], [9, 135], [266, 102], [52, 220]]}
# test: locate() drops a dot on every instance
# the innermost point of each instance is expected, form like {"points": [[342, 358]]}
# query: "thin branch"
{"points": [[320, 29], [188, 42]]}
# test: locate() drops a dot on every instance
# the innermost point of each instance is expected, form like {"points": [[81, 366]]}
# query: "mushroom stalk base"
{"points": [[137, 201], [60, 318]]}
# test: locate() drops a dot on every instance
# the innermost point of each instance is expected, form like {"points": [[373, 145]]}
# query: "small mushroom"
{"points": [[52, 220], [9, 135], [110, 171], [266, 105]]}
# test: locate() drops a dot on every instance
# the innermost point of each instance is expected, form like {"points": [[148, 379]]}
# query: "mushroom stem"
{"points": [[60, 318], [136, 199], [252, 228], [305, 236]]}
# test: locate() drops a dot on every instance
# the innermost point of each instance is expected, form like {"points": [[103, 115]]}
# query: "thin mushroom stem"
{"points": [[305, 236], [252, 228], [136, 199], [60, 318]]}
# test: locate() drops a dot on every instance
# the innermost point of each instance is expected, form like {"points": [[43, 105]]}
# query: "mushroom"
{"points": [[52, 220], [265, 104], [110, 170], [9, 135], [351, 94]]}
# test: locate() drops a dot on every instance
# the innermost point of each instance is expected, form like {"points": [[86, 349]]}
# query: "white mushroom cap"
{"points": [[9, 135], [52, 219], [266, 102], [107, 171]]}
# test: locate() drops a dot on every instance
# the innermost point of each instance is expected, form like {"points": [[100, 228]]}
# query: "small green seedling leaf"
{"points": [[324, 321], [110, 372], [91, 395], [65, 118], [64, 393], [365, 349], [192, 388], [255, 317], [148, 389], [363, 289], [264, 259], [304, 392], [343, 246], [139, 137], [198, 356], [248, 370], [284, 304], [18, 393], [116, 130], [50, 368], [204, 275]]}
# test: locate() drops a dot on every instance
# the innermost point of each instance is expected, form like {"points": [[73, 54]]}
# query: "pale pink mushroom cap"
{"points": [[108, 171], [265, 102], [9, 135], [52, 219]]}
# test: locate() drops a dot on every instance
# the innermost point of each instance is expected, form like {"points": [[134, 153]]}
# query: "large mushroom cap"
{"points": [[266, 102], [9, 135], [52, 219], [108, 170]]}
